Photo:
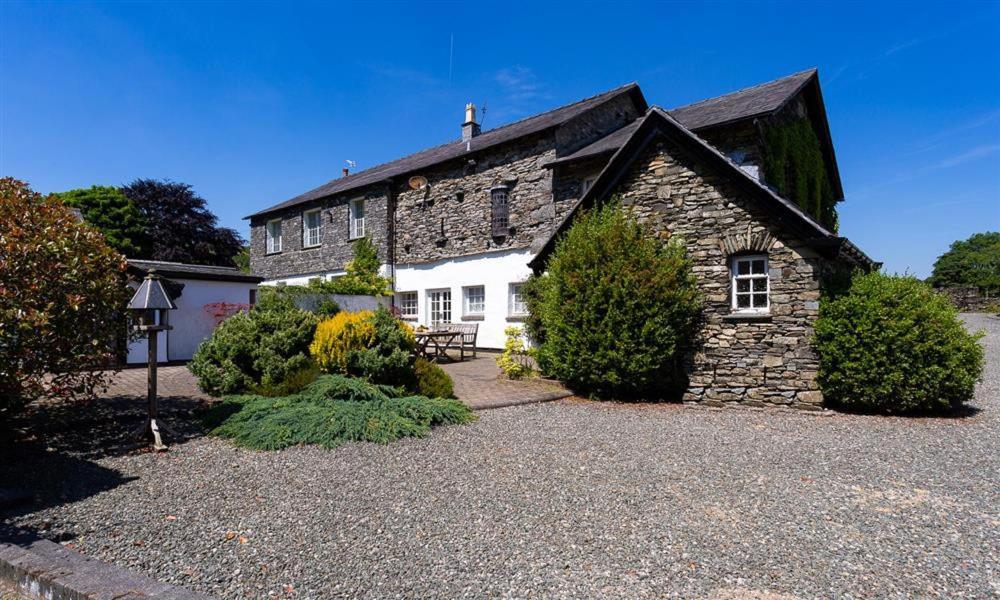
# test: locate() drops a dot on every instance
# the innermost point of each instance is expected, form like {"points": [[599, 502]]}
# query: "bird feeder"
{"points": [[149, 305]]}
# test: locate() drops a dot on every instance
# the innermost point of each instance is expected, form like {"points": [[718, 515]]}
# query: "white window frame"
{"points": [[586, 184], [516, 299], [357, 223], [408, 304], [755, 279], [272, 244], [439, 309], [470, 310], [312, 236]]}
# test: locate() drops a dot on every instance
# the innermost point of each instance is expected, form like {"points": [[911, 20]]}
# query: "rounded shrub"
{"points": [[890, 344], [264, 347], [374, 345], [616, 308], [431, 380]]}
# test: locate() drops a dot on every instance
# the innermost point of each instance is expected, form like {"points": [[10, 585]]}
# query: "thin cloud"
{"points": [[973, 154], [521, 92], [935, 140]]}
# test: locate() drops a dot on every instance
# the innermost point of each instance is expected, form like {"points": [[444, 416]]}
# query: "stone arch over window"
{"points": [[747, 242]]}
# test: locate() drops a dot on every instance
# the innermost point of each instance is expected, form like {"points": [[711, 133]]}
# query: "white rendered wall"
{"points": [[302, 279], [494, 270], [191, 323]]}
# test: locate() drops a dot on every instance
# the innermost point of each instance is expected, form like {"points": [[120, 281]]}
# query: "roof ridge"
{"points": [[618, 89], [747, 89]]}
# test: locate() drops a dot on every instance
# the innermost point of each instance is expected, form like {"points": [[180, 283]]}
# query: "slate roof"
{"points": [[786, 211], [177, 270], [750, 102], [458, 148], [761, 99]]}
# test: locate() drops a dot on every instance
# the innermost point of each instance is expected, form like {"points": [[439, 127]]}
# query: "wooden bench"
{"points": [[468, 339]]}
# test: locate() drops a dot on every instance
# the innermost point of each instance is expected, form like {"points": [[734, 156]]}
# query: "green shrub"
{"points": [[327, 308], [264, 347], [294, 382], [514, 362], [893, 345], [617, 307], [431, 380], [389, 358], [333, 410]]}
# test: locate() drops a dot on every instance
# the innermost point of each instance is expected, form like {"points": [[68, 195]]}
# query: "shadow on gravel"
{"points": [[48, 453]]}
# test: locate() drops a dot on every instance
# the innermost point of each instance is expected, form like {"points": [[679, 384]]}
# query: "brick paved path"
{"points": [[477, 384]]}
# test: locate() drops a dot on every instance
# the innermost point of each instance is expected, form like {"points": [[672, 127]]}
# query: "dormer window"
{"points": [[499, 212]]}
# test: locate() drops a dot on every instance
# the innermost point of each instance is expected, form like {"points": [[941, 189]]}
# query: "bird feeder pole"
{"points": [[150, 305]]}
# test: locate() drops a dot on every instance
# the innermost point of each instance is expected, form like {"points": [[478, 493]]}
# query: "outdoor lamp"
{"points": [[150, 305]]}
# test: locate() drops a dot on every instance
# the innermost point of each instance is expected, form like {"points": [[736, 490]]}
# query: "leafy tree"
{"points": [[617, 308], [890, 344], [242, 260], [62, 300], [975, 261], [180, 227], [114, 215]]}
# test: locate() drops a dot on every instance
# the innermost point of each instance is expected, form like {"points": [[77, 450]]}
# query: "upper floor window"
{"points": [[499, 210], [751, 285], [312, 228], [586, 184], [518, 303], [357, 209], [475, 300], [407, 304], [272, 233]]}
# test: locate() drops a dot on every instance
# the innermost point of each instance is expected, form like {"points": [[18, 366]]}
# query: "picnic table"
{"points": [[433, 345]]}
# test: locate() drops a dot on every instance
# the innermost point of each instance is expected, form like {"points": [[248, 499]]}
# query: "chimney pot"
{"points": [[470, 128], [346, 171]]}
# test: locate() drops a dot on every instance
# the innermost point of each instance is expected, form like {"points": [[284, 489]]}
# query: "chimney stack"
{"points": [[346, 171], [470, 128]]}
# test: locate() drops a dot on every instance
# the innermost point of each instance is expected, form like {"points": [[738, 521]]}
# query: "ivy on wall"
{"points": [[793, 163]]}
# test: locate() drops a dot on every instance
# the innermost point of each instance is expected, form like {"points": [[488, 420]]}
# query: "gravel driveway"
{"points": [[570, 498]]}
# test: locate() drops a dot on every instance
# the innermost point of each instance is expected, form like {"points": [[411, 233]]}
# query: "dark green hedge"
{"points": [[615, 309], [891, 344]]}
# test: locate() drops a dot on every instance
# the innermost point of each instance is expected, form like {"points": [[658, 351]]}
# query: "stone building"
{"points": [[458, 224]]}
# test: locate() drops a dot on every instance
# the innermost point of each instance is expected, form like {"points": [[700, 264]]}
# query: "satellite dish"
{"points": [[418, 182]]}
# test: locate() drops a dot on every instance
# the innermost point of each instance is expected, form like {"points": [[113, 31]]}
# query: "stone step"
{"points": [[43, 569]]}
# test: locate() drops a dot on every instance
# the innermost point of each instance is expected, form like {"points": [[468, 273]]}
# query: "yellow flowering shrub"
{"points": [[336, 337]]}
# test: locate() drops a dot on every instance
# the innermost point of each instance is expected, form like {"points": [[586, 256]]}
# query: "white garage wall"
{"points": [[496, 271], [191, 323]]}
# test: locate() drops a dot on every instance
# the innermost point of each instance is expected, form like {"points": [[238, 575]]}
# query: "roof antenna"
{"points": [[482, 118]]}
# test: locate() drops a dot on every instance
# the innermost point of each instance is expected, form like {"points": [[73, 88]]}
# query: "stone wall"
{"points": [[335, 249], [452, 217], [595, 124], [968, 298], [756, 360]]}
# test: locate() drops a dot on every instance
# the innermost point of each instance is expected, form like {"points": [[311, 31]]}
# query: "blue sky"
{"points": [[254, 103]]}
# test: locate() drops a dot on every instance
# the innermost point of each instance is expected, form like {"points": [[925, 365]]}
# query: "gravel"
{"points": [[571, 498]]}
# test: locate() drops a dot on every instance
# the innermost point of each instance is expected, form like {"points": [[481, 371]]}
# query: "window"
{"points": [[750, 284], [357, 218], [499, 213], [272, 232], [439, 306], [312, 228], [407, 304], [475, 300], [518, 304], [586, 184]]}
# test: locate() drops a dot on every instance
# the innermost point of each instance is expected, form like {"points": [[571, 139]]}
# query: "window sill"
{"points": [[473, 317], [311, 246], [351, 239], [406, 318], [272, 253], [748, 317], [517, 318]]}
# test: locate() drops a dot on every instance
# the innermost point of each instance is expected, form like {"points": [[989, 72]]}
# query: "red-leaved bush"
{"points": [[220, 311], [62, 300]]}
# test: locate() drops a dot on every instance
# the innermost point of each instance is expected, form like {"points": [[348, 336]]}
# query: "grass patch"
{"points": [[329, 412]]}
